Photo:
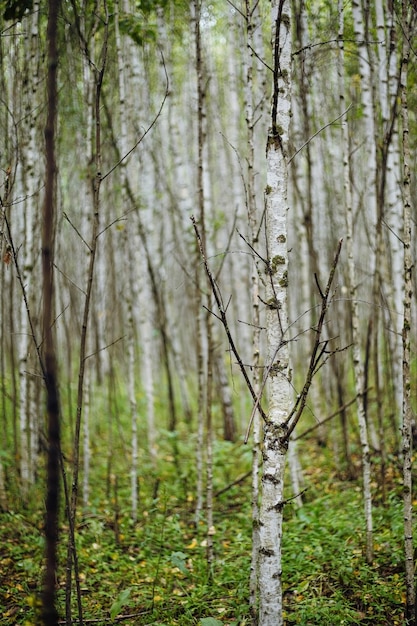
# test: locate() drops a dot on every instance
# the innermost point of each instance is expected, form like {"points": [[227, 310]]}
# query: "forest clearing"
{"points": [[208, 355]]}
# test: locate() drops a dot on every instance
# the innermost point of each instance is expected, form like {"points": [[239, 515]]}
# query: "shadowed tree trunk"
{"points": [[49, 611]]}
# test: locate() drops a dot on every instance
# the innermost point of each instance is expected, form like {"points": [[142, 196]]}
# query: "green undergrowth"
{"points": [[154, 570]]}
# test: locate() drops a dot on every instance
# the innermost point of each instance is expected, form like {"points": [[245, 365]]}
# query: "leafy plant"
{"points": [[123, 599]]}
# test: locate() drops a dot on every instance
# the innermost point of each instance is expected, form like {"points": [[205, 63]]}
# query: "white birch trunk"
{"points": [[357, 358], [407, 440], [143, 310], [130, 251], [251, 100], [29, 427], [275, 428], [394, 203], [359, 19], [148, 352]]}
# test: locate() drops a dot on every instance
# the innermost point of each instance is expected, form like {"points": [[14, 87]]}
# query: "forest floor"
{"points": [[153, 571]]}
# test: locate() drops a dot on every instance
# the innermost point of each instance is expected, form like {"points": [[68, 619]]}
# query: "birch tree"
{"points": [[28, 179], [275, 440], [357, 358], [408, 20], [252, 22], [130, 287]]}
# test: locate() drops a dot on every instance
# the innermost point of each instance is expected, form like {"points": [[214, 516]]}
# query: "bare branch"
{"points": [[151, 125], [325, 43], [77, 231], [14, 254], [115, 221], [329, 417], [319, 131], [237, 481], [109, 345], [317, 351], [316, 278], [224, 321], [252, 248], [69, 279]]}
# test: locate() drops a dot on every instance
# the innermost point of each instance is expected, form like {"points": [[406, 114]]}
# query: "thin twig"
{"points": [[280, 505], [317, 352], [151, 125], [24, 295], [112, 223], [330, 417], [224, 321], [325, 43], [109, 345], [106, 619], [252, 248], [69, 279], [235, 482], [318, 133], [77, 231], [259, 396]]}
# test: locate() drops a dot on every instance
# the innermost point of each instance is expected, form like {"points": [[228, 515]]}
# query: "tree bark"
{"points": [[357, 359], [407, 440], [49, 610], [275, 440]]}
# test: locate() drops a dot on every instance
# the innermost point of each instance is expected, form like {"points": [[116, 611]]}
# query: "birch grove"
{"points": [[229, 239]]}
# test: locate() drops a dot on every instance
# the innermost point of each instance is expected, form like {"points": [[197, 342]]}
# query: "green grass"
{"points": [[155, 570]]}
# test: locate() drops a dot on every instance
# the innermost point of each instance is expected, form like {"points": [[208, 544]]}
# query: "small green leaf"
{"points": [[122, 600], [210, 621], [178, 560]]}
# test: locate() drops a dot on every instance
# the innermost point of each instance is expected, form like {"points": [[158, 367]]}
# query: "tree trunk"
{"points": [[252, 98], [99, 71], [407, 447], [357, 359], [49, 610], [275, 440], [29, 172]]}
